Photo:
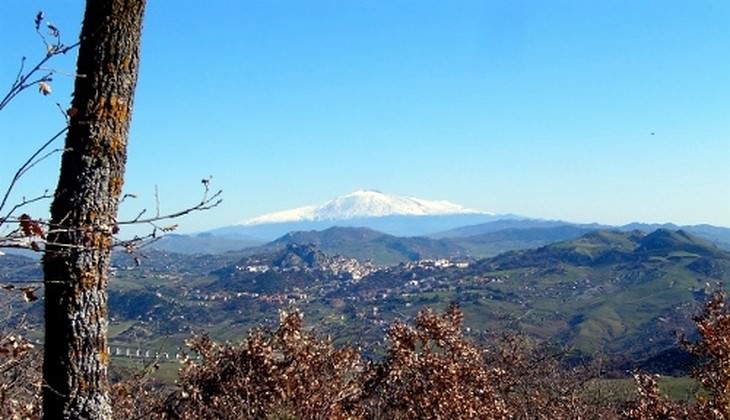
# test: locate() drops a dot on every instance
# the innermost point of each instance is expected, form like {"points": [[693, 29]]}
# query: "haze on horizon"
{"points": [[600, 111]]}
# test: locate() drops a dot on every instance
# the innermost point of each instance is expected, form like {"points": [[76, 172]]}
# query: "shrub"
{"points": [[20, 379], [285, 374], [713, 352]]}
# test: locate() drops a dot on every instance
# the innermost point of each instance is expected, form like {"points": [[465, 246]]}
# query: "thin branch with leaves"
{"points": [[39, 75], [30, 233]]}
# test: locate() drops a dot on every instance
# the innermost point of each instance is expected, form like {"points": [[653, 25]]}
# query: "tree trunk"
{"points": [[84, 210]]}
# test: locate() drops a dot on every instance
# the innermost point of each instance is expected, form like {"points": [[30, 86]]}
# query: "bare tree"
{"points": [[84, 212]]}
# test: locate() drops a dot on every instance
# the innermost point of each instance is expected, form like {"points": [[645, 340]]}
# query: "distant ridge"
{"points": [[368, 244], [203, 242], [511, 224], [720, 236]]}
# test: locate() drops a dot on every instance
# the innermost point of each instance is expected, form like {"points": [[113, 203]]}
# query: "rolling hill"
{"points": [[610, 291], [368, 244]]}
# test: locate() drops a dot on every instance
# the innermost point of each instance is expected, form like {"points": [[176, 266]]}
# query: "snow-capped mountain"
{"points": [[400, 217], [396, 215], [361, 204]]}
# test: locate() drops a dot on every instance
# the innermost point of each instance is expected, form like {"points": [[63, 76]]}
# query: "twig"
{"points": [[23, 203], [28, 164], [157, 201], [20, 71], [206, 203], [21, 83], [41, 159]]}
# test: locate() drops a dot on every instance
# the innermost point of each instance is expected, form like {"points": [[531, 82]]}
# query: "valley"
{"points": [[618, 294]]}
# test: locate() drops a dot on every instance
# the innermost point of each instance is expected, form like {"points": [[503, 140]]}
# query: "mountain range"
{"points": [[389, 229]]}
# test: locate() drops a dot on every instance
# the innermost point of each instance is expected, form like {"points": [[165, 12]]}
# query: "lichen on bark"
{"points": [[84, 207]]}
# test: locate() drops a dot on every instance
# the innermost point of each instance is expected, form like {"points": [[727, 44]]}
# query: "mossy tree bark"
{"points": [[84, 211]]}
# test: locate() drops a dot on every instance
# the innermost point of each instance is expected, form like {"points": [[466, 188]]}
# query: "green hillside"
{"points": [[620, 293], [364, 244]]}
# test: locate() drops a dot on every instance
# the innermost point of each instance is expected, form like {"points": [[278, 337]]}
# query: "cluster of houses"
{"points": [[337, 265]]}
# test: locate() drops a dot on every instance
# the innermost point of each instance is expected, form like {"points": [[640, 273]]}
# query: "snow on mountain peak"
{"points": [[363, 203]]}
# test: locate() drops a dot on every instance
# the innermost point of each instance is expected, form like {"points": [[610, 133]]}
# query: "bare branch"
{"points": [[40, 159], [138, 217], [127, 195], [157, 201], [29, 163], [31, 233], [64, 113], [20, 71], [24, 202], [23, 81], [206, 203]]}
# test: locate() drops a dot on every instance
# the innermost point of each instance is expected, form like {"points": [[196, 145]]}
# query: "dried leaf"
{"points": [[53, 30], [38, 19], [25, 222], [30, 227], [44, 88], [169, 228], [29, 294]]}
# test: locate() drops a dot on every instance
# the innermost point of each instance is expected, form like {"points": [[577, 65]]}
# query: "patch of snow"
{"points": [[300, 213]]}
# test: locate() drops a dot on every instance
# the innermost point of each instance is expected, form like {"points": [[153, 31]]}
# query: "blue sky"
{"points": [[539, 108]]}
